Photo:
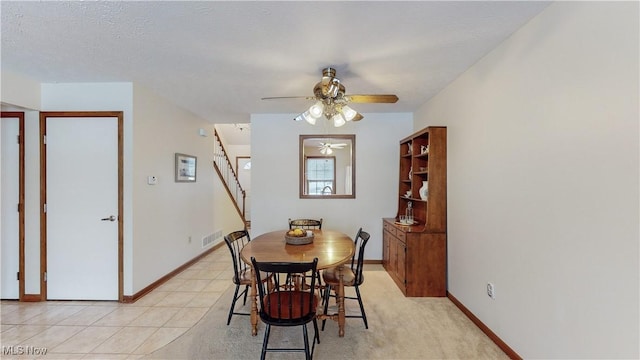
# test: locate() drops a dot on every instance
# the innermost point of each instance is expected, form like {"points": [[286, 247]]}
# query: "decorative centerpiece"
{"points": [[299, 237]]}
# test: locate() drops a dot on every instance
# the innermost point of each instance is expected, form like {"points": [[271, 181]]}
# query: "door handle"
{"points": [[110, 218]]}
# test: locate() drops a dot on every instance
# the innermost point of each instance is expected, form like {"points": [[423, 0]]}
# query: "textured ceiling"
{"points": [[218, 59]]}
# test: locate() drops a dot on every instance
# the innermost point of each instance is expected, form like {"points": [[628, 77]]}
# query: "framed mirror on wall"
{"points": [[327, 166]]}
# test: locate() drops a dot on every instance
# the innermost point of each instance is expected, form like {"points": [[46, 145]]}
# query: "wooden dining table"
{"points": [[332, 248]]}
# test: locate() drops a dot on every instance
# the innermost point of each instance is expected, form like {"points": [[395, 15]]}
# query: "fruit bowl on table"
{"points": [[301, 237]]}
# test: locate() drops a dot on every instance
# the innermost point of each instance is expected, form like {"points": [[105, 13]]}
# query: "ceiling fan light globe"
{"points": [[309, 118], [326, 151], [338, 120], [316, 109], [348, 113]]}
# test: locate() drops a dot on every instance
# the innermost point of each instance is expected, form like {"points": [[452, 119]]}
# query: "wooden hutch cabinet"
{"points": [[416, 255]]}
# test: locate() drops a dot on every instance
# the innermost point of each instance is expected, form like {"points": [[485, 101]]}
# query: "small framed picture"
{"points": [[185, 168]]}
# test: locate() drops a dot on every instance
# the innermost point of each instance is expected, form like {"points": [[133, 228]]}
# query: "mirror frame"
{"points": [[350, 137]]}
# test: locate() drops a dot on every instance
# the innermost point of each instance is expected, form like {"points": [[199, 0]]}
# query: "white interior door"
{"points": [[9, 223], [82, 190]]}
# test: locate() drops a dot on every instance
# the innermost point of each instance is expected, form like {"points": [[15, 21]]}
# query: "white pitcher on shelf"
{"points": [[424, 190]]}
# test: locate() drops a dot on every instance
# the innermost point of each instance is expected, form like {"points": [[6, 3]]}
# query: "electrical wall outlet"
{"points": [[491, 291]]}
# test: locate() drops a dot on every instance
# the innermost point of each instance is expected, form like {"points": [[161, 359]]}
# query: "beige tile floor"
{"points": [[111, 330]]}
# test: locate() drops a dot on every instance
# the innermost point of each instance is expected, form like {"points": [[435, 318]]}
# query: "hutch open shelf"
{"points": [[415, 255]]}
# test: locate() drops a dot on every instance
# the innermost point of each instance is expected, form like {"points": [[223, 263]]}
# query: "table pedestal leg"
{"points": [[341, 311]]}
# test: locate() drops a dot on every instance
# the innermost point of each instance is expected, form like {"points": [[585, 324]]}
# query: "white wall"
{"points": [[157, 219], [543, 183], [275, 188], [167, 214], [20, 90]]}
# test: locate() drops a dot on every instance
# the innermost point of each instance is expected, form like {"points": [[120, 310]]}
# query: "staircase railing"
{"points": [[229, 177]]}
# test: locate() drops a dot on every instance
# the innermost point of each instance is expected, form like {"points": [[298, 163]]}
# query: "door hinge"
{"points": [[45, 276], [18, 275], [18, 207], [44, 208], [44, 139], [18, 138]]}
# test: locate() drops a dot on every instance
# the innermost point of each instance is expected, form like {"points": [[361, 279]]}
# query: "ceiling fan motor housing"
{"points": [[329, 88], [329, 72], [330, 92]]}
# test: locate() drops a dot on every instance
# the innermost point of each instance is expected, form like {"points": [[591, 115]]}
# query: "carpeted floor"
{"points": [[399, 328]]}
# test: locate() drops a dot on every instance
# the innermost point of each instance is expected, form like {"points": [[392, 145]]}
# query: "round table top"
{"points": [[332, 248]]}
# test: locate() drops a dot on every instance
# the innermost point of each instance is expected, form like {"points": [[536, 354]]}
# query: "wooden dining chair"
{"points": [[241, 271], [308, 224], [352, 276], [286, 303]]}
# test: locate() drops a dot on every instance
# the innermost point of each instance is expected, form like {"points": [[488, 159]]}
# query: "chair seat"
{"points": [[330, 276], [289, 304], [246, 275]]}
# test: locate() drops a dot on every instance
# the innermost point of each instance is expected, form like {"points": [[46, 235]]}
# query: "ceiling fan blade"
{"points": [[358, 117], [362, 98], [288, 97]]}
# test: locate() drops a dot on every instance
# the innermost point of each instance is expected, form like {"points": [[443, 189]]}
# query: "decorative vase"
{"points": [[424, 190]]}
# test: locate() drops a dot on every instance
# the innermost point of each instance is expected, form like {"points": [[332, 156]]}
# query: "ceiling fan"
{"points": [[331, 101], [327, 148]]}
